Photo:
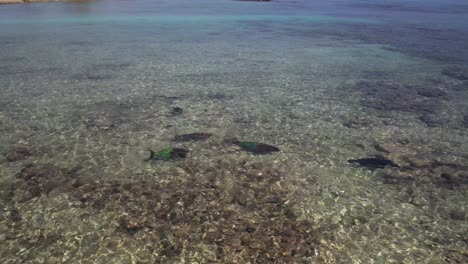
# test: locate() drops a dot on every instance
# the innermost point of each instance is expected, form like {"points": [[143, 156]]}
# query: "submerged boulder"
{"points": [[176, 111], [427, 171], [18, 153], [35, 180], [456, 73], [395, 96], [465, 120], [216, 215], [420, 168]]}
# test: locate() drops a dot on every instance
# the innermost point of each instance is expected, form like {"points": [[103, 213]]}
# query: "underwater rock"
{"points": [[131, 226], [15, 215], [396, 151], [433, 120], [431, 92], [357, 123], [456, 73], [219, 96], [21, 196], [103, 115], [453, 177], [18, 154], [389, 96], [423, 170], [458, 214], [177, 111], [396, 178], [168, 154], [418, 162], [166, 98], [373, 163], [189, 212], [383, 148], [465, 120], [3, 228], [92, 76], [107, 66], [254, 147], [460, 87], [250, 229], [4, 103], [35, 180], [192, 137]]}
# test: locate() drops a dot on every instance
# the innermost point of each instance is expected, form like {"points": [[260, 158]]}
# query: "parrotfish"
{"points": [[373, 163], [168, 154], [254, 147], [192, 137]]}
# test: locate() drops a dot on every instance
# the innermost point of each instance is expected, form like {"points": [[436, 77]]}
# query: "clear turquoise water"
{"points": [[88, 87]]}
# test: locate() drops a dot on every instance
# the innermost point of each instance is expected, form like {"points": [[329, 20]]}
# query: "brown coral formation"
{"points": [[458, 73], [230, 217], [36, 180], [220, 213], [429, 103], [18, 153], [422, 168], [388, 96]]}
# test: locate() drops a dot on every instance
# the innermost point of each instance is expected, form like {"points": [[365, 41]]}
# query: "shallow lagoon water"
{"points": [[87, 88]]}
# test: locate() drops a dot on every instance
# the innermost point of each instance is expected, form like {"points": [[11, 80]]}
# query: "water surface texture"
{"points": [[88, 87]]}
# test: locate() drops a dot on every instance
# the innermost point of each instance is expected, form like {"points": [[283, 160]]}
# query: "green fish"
{"points": [[168, 154]]}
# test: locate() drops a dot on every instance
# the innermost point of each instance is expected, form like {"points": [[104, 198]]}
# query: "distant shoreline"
{"points": [[24, 1]]}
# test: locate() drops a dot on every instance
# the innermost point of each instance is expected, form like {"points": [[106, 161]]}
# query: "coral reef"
{"points": [[421, 168], [218, 212], [35, 180], [386, 96], [428, 103], [18, 153], [456, 73]]}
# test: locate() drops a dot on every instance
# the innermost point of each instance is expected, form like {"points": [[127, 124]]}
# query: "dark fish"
{"points": [[374, 163], [192, 137], [254, 147], [168, 154]]}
